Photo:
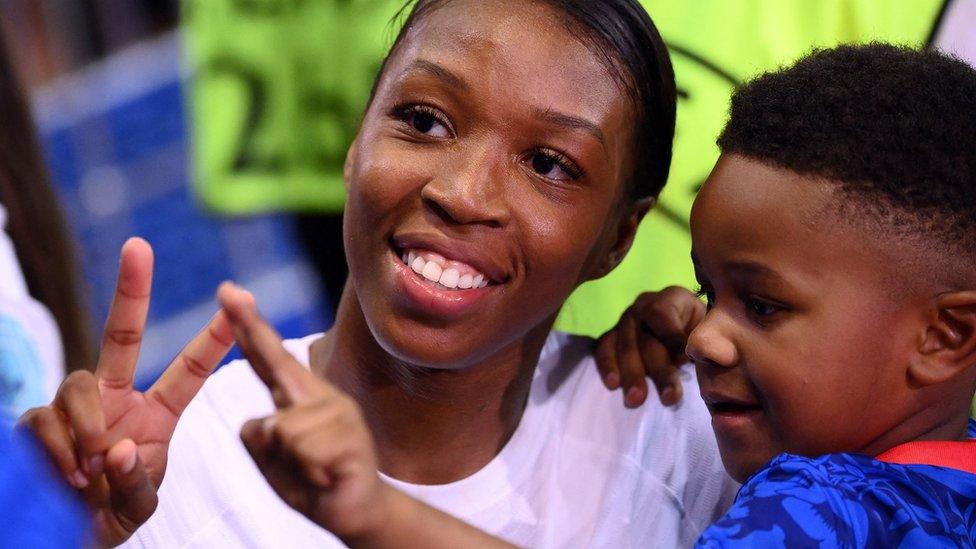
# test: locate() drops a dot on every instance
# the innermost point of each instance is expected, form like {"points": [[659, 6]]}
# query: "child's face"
{"points": [[496, 146], [801, 348]]}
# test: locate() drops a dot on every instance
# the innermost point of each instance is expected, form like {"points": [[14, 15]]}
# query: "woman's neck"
{"points": [[430, 426]]}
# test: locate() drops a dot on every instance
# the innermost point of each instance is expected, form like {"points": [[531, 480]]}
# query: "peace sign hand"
{"points": [[316, 451], [109, 440]]}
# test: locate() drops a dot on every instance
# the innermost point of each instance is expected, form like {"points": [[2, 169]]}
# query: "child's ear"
{"points": [[949, 345], [626, 231]]}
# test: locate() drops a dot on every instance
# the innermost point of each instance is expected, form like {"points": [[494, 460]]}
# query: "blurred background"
{"points": [[106, 81], [216, 129]]}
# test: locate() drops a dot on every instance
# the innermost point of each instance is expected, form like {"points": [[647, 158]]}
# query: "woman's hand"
{"points": [[318, 454], [316, 451], [649, 340], [109, 440]]}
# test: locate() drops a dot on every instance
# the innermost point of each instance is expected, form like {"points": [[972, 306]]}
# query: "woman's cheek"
{"points": [[559, 242]]}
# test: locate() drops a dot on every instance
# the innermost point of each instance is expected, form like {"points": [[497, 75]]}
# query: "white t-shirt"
{"points": [[580, 470]]}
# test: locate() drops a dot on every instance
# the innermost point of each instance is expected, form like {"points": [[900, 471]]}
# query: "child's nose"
{"points": [[707, 344]]}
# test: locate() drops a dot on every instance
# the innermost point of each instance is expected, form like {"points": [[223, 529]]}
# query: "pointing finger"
{"points": [[289, 381]]}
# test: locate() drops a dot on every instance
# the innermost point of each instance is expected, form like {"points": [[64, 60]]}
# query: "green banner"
{"points": [[279, 86], [277, 91]]}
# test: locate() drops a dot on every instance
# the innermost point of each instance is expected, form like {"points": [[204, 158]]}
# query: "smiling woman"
{"points": [[509, 150]]}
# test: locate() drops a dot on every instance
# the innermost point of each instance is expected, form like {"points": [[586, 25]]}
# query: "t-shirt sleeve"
{"points": [[790, 503]]}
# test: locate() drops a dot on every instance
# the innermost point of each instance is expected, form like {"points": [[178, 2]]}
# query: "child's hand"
{"points": [[109, 440], [649, 340], [316, 451]]}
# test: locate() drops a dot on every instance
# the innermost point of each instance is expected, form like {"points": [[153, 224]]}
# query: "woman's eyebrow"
{"points": [[439, 72], [572, 122]]}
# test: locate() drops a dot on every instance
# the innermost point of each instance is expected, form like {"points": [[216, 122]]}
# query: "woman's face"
{"points": [[485, 182]]}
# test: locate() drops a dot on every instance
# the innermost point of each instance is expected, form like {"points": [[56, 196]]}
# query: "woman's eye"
{"points": [[425, 120], [553, 165]]}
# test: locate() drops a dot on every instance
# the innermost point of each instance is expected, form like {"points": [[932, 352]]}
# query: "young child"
{"points": [[834, 242]]}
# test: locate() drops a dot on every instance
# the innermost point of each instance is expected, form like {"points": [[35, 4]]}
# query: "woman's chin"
{"points": [[438, 349], [438, 357]]}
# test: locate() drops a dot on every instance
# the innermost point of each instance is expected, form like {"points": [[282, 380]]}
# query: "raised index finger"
{"points": [[127, 317], [290, 382]]}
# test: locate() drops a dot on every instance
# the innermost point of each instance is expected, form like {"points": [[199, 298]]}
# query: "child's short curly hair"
{"points": [[893, 127]]}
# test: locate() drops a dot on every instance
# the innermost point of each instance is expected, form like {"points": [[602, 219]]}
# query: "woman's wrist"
{"points": [[390, 513]]}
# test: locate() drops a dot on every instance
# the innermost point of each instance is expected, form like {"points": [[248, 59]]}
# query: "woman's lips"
{"points": [[436, 298], [462, 255]]}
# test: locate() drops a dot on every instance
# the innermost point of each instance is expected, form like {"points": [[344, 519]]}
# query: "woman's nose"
{"points": [[709, 343], [470, 191]]}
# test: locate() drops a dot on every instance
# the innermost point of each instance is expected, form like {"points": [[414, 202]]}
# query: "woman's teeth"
{"points": [[450, 277]]}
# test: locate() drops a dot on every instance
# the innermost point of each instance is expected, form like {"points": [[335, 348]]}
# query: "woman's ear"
{"points": [[948, 347], [624, 239]]}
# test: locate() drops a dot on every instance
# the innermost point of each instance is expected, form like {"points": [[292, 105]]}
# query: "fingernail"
{"points": [[268, 425], [613, 381], [130, 462], [633, 396], [668, 396], [78, 479], [94, 465]]}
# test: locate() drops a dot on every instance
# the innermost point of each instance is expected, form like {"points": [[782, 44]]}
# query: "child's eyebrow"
{"points": [[439, 72], [750, 269], [745, 269]]}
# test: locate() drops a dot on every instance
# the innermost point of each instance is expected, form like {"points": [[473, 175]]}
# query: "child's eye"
{"points": [[707, 295], [553, 165], [425, 120], [760, 308]]}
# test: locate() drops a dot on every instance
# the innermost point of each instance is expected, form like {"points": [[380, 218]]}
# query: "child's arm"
{"points": [[649, 341], [318, 454]]}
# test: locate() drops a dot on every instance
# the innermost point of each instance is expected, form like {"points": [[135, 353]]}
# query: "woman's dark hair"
{"points": [[622, 34], [35, 223]]}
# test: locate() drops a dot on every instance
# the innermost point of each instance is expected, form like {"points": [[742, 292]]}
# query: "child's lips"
{"points": [[723, 400], [729, 412]]}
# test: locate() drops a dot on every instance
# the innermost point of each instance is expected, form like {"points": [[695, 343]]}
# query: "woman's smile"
{"points": [[443, 277]]}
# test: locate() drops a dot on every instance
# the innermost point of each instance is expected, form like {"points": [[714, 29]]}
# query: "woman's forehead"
{"points": [[510, 48], [508, 43]]}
